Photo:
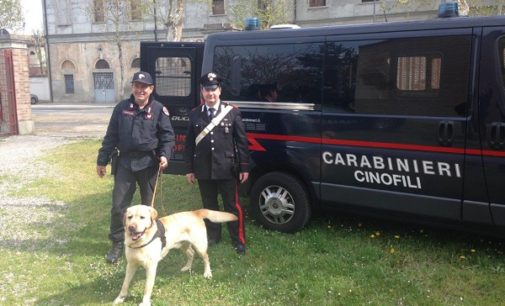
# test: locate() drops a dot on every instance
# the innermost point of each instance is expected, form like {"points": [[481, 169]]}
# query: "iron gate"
{"points": [[8, 110], [104, 87]]}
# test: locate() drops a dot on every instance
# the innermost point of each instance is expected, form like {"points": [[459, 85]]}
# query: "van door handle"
{"points": [[445, 133], [497, 137]]}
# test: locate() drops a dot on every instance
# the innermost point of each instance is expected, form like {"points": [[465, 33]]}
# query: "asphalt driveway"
{"points": [[84, 120]]}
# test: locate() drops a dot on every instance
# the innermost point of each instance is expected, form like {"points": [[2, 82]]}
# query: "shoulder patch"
{"points": [[165, 111]]}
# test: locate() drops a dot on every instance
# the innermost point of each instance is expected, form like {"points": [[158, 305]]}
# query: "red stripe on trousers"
{"points": [[241, 234]]}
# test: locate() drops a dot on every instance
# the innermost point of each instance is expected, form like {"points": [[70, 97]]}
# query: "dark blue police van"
{"points": [[402, 118]]}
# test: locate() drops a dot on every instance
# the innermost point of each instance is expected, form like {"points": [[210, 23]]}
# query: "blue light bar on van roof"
{"points": [[448, 10], [252, 24]]}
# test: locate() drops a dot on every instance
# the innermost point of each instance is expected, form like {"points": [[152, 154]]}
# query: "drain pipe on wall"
{"points": [[48, 56]]}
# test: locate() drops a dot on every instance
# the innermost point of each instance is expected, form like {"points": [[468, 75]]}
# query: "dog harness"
{"points": [[160, 233]]}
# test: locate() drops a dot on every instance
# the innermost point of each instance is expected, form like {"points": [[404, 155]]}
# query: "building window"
{"points": [[136, 63], [102, 64], [316, 3], [69, 83], [135, 10], [217, 7], [98, 11]]}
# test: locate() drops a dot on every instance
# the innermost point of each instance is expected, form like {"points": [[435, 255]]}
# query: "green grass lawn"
{"points": [[335, 260]]}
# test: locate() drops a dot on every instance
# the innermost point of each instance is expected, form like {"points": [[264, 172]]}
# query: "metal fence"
{"points": [[8, 112]]}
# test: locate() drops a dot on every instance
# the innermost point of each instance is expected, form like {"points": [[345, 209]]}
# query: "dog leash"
{"points": [[155, 186]]}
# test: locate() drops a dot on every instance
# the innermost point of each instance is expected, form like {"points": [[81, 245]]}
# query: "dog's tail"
{"points": [[216, 216]]}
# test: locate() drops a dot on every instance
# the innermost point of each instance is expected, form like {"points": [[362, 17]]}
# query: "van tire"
{"points": [[280, 202]]}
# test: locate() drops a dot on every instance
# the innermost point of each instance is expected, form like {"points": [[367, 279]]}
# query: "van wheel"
{"points": [[280, 202]]}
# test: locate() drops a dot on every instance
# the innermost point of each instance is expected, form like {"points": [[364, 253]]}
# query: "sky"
{"points": [[32, 11]]}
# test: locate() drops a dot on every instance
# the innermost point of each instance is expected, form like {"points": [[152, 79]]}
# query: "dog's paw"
{"points": [[185, 268], [207, 274], [145, 303], [119, 300]]}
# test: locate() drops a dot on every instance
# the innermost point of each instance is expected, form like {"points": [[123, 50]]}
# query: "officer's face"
{"points": [[141, 92], [211, 96]]}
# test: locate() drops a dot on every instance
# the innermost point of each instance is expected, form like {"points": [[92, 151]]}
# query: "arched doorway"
{"points": [[68, 69], [103, 82]]}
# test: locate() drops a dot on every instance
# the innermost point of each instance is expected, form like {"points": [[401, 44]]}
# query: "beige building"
{"points": [[83, 50]]}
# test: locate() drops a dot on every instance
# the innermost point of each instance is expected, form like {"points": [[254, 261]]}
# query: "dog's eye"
{"points": [[130, 217], [142, 217]]}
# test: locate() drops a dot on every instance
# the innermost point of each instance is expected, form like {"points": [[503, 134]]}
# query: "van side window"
{"points": [[424, 76], [173, 76], [275, 73], [413, 73], [501, 54]]}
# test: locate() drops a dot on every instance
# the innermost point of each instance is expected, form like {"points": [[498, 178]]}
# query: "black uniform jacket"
{"points": [[223, 152], [139, 134]]}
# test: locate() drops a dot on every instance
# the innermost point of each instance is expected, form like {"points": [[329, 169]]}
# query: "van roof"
{"points": [[430, 24]]}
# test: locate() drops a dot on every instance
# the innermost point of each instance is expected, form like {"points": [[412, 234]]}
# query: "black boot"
{"points": [[239, 248], [115, 252]]}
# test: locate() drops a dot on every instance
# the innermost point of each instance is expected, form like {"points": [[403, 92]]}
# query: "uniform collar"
{"points": [[134, 105], [216, 106]]}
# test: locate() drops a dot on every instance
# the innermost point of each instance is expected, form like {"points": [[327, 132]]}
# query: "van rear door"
{"points": [[176, 68]]}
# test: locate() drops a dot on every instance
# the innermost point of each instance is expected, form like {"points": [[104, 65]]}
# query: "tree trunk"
{"points": [[121, 69], [174, 21]]}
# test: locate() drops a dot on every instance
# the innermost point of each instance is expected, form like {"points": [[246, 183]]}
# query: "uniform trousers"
{"points": [[228, 189], [125, 184]]}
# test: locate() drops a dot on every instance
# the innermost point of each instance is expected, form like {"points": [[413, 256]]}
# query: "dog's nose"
{"points": [[132, 227]]}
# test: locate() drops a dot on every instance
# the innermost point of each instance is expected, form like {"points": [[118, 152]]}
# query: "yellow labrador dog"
{"points": [[148, 239]]}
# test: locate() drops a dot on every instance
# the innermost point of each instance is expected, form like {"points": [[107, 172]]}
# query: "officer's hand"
{"points": [[190, 177], [101, 170], [163, 162], [243, 176]]}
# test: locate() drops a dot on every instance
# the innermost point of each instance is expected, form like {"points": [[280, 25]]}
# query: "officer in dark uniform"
{"points": [[140, 130], [217, 156]]}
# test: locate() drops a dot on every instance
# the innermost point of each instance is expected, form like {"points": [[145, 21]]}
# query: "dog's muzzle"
{"points": [[134, 234]]}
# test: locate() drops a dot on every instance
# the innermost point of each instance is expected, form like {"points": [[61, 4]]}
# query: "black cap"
{"points": [[142, 77], [211, 80]]}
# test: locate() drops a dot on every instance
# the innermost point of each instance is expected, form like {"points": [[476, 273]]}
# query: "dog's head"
{"points": [[138, 220]]}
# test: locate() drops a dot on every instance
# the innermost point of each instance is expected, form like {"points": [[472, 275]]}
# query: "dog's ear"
{"points": [[154, 213], [124, 218]]}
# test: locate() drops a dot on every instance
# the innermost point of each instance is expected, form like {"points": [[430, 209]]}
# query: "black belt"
{"points": [[136, 154]]}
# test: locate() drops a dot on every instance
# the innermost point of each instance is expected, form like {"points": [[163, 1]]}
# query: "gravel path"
{"points": [[18, 155]]}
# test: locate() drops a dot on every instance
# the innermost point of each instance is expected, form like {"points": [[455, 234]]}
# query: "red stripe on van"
{"points": [[256, 146]]}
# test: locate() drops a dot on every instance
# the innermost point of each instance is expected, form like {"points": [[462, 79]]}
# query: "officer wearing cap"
{"points": [[140, 131], [217, 157]]}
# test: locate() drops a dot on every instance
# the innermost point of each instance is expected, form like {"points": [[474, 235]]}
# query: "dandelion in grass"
{"points": [[462, 257], [397, 236], [391, 251], [473, 250]]}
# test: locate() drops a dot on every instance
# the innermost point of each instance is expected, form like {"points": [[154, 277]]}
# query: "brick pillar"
{"points": [[16, 107]]}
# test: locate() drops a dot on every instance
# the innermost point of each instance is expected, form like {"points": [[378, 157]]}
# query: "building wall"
{"points": [[73, 37], [357, 11]]}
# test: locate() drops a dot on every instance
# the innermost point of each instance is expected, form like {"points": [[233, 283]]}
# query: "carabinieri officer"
{"points": [[140, 129], [217, 156]]}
